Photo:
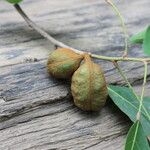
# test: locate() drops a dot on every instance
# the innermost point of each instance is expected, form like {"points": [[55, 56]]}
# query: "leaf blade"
{"points": [[146, 42], [138, 38], [136, 140], [14, 1], [128, 103]]}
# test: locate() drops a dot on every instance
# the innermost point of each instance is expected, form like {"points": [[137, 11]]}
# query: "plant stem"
{"points": [[116, 10], [123, 76], [60, 44], [143, 89], [120, 58], [129, 85]]}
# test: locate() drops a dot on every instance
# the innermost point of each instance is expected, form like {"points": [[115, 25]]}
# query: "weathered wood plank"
{"points": [[36, 111], [33, 98]]}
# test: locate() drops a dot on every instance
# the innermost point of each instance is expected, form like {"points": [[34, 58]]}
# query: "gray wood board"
{"points": [[37, 111]]}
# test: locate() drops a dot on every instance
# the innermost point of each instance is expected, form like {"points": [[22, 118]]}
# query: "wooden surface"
{"points": [[36, 111]]}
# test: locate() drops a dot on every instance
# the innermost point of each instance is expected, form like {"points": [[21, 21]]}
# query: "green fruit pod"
{"points": [[88, 87], [63, 62]]}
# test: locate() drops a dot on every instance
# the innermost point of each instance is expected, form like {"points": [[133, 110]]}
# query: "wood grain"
{"points": [[37, 111]]}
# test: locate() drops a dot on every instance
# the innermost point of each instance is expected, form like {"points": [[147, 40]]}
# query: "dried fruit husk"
{"points": [[63, 62], [89, 89]]}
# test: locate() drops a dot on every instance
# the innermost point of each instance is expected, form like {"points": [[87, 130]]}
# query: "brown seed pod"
{"points": [[63, 62], [89, 89]]}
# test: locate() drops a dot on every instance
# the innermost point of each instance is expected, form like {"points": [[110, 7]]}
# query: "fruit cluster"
{"points": [[88, 85]]}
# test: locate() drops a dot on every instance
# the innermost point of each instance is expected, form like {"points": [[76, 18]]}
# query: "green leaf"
{"points": [[14, 1], [124, 98], [136, 140], [146, 42], [138, 38]]}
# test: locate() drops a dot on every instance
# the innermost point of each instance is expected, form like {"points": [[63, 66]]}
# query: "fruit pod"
{"points": [[63, 62], [88, 87]]}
